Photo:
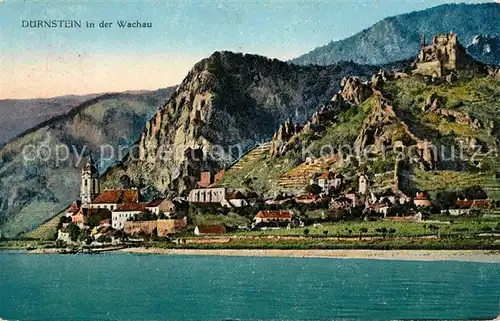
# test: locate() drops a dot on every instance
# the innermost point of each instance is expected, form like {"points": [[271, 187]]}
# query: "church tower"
{"points": [[90, 182]]}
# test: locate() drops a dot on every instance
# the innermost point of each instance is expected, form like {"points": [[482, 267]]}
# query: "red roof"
{"points": [[481, 203], [116, 196], [155, 202], [75, 207], [306, 197], [274, 214], [127, 207], [464, 203], [327, 175], [421, 196], [212, 229]]}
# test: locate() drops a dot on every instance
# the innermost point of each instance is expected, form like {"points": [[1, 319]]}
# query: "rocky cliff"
{"points": [[418, 133], [225, 105]]}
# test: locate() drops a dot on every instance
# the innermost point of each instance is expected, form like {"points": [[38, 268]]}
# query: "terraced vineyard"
{"points": [[299, 177], [251, 156]]}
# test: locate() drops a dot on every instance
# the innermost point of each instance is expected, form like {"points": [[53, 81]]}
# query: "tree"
{"points": [[314, 189], [474, 192], [94, 220], [154, 235], [446, 199], [125, 181], [74, 232], [362, 231]]}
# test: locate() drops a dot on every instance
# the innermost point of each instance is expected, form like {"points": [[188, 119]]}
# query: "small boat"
{"points": [[66, 251]]}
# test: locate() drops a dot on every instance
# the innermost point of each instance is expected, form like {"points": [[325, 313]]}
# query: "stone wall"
{"points": [[163, 227], [146, 227], [170, 226]]}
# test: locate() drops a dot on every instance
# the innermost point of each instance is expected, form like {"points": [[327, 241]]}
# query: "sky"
{"points": [[48, 62]]}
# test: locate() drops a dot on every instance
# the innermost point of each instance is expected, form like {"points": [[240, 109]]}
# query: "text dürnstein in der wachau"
{"points": [[49, 24]]}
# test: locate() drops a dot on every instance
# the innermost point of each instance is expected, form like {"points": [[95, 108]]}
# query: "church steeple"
{"points": [[90, 182]]}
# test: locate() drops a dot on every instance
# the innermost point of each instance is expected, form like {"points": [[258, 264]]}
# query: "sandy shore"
{"points": [[414, 255]]}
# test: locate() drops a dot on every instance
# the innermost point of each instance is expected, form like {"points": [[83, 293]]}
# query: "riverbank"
{"points": [[405, 255]]}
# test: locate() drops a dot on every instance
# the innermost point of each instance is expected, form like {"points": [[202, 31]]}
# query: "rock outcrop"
{"points": [[354, 90], [282, 139], [227, 103], [383, 131]]}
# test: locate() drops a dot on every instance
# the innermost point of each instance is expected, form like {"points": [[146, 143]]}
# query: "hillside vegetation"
{"points": [[36, 188]]}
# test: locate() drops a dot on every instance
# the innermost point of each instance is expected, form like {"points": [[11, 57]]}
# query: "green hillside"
{"points": [[33, 188]]}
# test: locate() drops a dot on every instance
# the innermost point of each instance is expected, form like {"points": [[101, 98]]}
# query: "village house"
{"points": [[279, 199], [341, 203], [84, 214], [379, 208], [125, 212], [161, 205], [111, 198], [330, 180], [63, 235], [421, 199], [237, 199], [74, 208], [355, 200], [209, 230], [306, 199], [265, 216]]}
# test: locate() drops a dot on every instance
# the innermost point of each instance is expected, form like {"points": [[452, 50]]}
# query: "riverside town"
{"points": [[274, 195], [250, 160]]}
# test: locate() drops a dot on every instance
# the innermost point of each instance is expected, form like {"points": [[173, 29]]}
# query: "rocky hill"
{"points": [[398, 37], [412, 130], [34, 186], [226, 104]]}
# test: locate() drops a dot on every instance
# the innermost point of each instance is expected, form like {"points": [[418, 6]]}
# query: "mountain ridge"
{"points": [[226, 99], [398, 37]]}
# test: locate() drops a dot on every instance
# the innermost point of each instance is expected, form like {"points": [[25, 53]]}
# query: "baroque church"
{"points": [[93, 201]]}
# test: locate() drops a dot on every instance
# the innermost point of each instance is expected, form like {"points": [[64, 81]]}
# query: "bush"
{"points": [[314, 189]]}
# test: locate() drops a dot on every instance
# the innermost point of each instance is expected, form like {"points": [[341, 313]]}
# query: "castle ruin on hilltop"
{"points": [[444, 55]]}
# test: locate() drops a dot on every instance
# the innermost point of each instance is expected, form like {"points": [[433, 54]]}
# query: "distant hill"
{"points": [[398, 37], [18, 115], [32, 191]]}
